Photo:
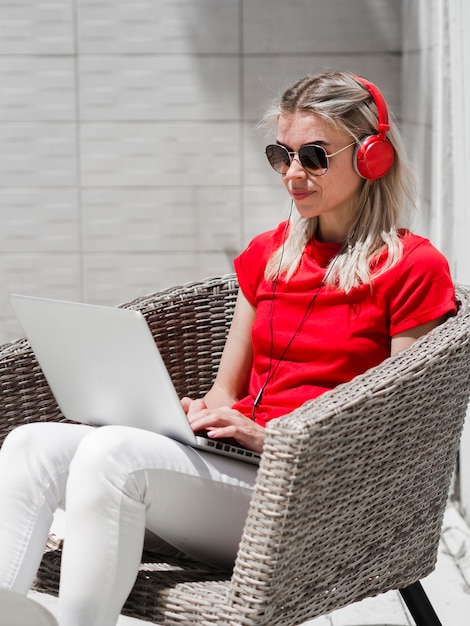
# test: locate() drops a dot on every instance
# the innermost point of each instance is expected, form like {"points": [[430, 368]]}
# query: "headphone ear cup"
{"points": [[373, 157]]}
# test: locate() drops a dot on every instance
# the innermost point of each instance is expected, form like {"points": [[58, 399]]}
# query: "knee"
{"points": [[30, 458], [102, 443], [103, 461], [25, 441], [102, 451], [42, 447]]}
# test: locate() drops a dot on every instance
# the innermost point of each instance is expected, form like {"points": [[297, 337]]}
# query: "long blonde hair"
{"points": [[340, 100]]}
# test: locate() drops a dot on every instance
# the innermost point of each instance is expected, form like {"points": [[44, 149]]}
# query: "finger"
{"points": [[221, 432], [201, 420], [195, 407], [186, 402]]}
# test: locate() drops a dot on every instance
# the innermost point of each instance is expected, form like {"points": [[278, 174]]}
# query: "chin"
{"points": [[306, 212]]}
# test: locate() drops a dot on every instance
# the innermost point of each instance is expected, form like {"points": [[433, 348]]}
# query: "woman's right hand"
{"points": [[191, 407]]}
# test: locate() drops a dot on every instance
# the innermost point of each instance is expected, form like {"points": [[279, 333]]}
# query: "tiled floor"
{"points": [[448, 588]]}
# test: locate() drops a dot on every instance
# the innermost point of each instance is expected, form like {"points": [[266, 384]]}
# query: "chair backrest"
{"points": [[352, 486], [190, 325], [189, 322]]}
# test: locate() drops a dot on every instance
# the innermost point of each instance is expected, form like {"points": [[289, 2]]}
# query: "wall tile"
{"points": [[257, 171], [165, 27], [44, 275], [266, 78], [37, 88], [315, 26], [181, 155], [115, 278], [37, 155], [418, 103], [265, 208], [419, 146], [10, 328], [39, 220], [157, 220], [37, 27], [48, 275], [418, 25], [159, 88]]}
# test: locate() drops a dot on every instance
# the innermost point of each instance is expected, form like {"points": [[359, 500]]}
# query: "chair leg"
{"points": [[419, 605]]}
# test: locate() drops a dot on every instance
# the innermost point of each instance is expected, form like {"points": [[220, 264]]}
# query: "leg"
{"points": [[124, 479], [419, 605], [34, 462]]}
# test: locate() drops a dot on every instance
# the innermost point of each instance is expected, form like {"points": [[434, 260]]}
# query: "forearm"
{"points": [[232, 380]]}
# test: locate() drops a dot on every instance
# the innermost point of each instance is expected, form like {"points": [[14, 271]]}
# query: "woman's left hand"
{"points": [[226, 422]]}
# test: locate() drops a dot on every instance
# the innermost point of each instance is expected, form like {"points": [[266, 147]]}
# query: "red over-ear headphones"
{"points": [[374, 154]]}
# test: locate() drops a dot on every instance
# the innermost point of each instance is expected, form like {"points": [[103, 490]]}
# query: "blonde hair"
{"points": [[340, 100]]}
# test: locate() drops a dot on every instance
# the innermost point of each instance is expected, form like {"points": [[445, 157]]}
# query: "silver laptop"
{"points": [[103, 367]]}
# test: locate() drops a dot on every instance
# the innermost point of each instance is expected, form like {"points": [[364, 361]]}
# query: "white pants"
{"points": [[114, 482]]}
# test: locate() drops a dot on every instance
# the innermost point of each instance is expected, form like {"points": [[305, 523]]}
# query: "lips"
{"points": [[299, 194]]}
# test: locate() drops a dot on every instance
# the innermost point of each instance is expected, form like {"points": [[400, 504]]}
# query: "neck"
{"points": [[331, 233]]}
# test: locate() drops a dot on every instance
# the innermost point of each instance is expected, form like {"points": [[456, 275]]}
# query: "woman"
{"points": [[328, 294]]}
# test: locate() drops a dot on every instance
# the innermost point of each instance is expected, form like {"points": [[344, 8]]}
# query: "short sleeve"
{"points": [[250, 265], [422, 288]]}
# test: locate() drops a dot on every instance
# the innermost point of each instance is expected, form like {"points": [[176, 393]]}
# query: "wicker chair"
{"points": [[351, 489]]}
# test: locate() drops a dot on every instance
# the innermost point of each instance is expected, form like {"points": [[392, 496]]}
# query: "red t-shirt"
{"points": [[344, 334]]}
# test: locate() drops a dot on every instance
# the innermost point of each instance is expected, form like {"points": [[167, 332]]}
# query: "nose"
{"points": [[295, 169]]}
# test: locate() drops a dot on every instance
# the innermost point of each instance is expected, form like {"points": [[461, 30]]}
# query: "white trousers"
{"points": [[114, 482]]}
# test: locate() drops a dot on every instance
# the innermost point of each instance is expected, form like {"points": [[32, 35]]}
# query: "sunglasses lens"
{"points": [[314, 159], [278, 158]]}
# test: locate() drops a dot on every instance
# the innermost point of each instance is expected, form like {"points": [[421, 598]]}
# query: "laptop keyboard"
{"points": [[231, 449]]}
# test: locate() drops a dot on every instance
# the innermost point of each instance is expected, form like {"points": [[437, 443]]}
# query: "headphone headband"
{"points": [[375, 154], [383, 126]]}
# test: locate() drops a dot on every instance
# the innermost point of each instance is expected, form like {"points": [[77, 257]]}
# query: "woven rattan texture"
{"points": [[351, 489], [189, 323]]}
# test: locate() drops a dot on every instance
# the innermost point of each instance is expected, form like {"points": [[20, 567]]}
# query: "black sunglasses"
{"points": [[313, 158]]}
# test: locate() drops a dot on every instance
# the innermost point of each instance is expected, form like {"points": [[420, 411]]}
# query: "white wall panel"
{"points": [[167, 220], [39, 220], [436, 97], [50, 275], [418, 70], [417, 104], [316, 26], [37, 88], [157, 154], [37, 27], [128, 145], [38, 155], [123, 88], [265, 208], [120, 277], [159, 27], [265, 77], [456, 212]]}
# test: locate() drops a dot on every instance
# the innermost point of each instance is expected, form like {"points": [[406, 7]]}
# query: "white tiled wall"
{"points": [[436, 98], [129, 154], [419, 45]]}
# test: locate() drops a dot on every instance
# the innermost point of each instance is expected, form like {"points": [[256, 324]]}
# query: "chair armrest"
{"points": [[352, 486], [24, 392]]}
